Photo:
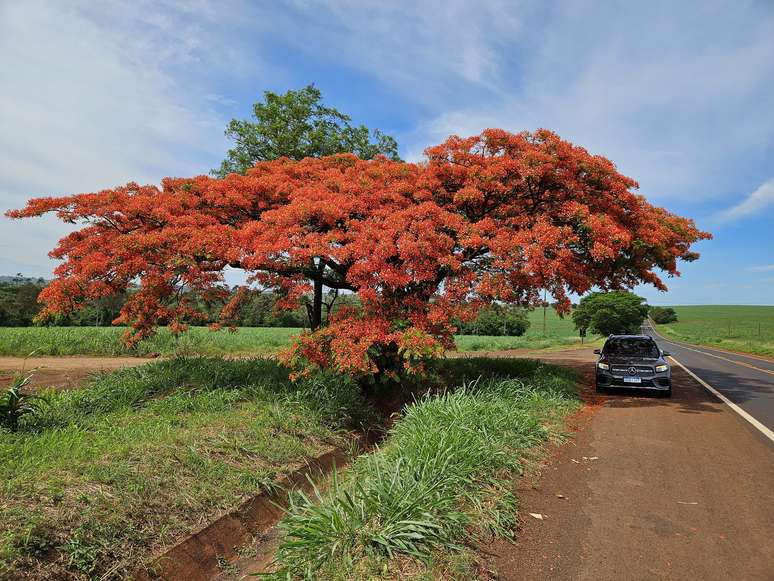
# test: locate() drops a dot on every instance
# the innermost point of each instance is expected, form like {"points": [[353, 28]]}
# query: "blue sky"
{"points": [[679, 94]]}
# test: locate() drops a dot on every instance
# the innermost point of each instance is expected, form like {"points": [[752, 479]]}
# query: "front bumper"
{"points": [[660, 381]]}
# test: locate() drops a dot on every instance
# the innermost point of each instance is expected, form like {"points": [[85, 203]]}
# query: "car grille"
{"points": [[640, 370]]}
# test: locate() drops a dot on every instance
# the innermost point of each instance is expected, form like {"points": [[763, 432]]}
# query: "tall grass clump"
{"points": [[16, 404], [441, 480]]}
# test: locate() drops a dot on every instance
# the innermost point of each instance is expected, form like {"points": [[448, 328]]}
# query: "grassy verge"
{"points": [[105, 341], [441, 481], [110, 473], [749, 329]]}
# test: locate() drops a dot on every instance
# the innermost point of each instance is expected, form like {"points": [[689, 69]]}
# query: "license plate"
{"points": [[632, 380]]}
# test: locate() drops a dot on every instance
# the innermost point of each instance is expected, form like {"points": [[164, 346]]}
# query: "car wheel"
{"points": [[600, 389], [667, 393]]}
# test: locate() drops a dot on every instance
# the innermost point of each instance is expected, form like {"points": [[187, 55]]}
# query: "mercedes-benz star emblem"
{"points": [[632, 371]]}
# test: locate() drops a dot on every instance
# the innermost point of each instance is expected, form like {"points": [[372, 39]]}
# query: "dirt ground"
{"points": [[62, 372]]}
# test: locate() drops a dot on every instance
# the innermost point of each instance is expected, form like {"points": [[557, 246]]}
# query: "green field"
{"points": [[21, 341], [749, 329]]}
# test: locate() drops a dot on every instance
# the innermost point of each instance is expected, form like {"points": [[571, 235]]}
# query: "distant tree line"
{"points": [[19, 306], [19, 300]]}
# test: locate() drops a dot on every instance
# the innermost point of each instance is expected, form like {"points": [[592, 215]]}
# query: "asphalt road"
{"points": [[746, 381], [651, 488]]}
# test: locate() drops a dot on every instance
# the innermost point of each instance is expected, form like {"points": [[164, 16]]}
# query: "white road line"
{"points": [[760, 427]]}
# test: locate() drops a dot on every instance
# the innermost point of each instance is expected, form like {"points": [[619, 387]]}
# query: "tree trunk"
{"points": [[315, 316]]}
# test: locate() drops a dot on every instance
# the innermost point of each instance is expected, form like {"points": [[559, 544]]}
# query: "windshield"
{"points": [[631, 347]]}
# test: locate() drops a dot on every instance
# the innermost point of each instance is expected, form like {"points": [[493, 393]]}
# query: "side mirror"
{"points": [[597, 351], [666, 353]]}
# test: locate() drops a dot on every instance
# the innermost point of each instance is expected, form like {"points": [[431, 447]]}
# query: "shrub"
{"points": [[610, 313], [663, 315], [497, 320]]}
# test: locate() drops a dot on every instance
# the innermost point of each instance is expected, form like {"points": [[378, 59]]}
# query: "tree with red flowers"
{"points": [[495, 217]]}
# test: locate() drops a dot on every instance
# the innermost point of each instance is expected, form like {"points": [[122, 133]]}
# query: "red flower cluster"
{"points": [[499, 216]]}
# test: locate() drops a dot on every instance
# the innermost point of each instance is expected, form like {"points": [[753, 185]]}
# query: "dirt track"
{"points": [[63, 372], [668, 489]]}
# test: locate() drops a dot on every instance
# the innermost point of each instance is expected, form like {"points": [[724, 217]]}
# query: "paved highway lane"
{"points": [[746, 381], [652, 487]]}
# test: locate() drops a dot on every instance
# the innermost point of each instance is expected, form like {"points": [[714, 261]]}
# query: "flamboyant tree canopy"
{"points": [[495, 217]]}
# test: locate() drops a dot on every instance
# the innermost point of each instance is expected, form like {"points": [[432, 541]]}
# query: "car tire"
{"points": [[667, 393], [600, 389]]}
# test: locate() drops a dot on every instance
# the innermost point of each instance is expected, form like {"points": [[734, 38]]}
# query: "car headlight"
{"points": [[603, 366], [660, 368]]}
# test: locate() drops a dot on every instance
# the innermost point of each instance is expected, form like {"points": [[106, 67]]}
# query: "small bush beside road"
{"points": [[663, 315], [610, 313]]}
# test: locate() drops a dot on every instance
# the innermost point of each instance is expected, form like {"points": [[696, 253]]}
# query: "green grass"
{"points": [[442, 480], [108, 474], [749, 329], [560, 333], [105, 341]]}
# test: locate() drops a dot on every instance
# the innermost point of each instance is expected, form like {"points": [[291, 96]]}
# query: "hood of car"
{"points": [[623, 360]]}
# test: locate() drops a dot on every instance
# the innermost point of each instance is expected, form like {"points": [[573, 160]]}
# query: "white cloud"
{"points": [[759, 200], [762, 268], [675, 101], [95, 95], [674, 93], [425, 49]]}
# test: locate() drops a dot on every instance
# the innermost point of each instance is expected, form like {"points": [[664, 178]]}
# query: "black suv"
{"points": [[633, 361]]}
